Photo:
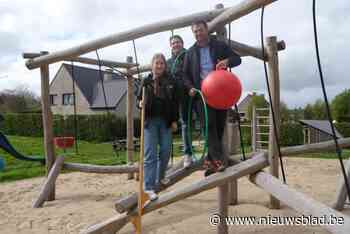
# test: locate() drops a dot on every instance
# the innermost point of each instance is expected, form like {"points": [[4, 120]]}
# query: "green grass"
{"points": [[101, 154], [92, 153], [326, 155]]}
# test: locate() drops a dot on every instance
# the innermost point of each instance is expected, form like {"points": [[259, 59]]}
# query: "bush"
{"points": [[291, 134], [98, 128], [343, 128]]}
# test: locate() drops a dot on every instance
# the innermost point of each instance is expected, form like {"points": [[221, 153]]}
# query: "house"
{"points": [[243, 106], [89, 92], [317, 131]]}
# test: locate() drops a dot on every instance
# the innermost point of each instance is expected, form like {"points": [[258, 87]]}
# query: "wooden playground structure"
{"points": [[226, 181]]}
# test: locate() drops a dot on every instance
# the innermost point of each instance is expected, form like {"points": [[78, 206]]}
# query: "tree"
{"points": [[319, 110], [341, 106], [258, 101], [284, 112], [20, 99], [308, 112], [316, 110]]}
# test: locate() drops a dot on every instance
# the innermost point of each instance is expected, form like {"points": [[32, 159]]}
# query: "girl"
{"points": [[161, 114]]}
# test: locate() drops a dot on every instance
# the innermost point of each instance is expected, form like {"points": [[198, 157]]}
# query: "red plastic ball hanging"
{"points": [[221, 89]]}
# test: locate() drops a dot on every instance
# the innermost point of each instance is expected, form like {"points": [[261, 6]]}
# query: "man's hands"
{"points": [[174, 126], [223, 64], [192, 92]]}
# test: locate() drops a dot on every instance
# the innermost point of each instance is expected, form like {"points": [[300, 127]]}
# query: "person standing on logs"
{"points": [[206, 55], [161, 115], [175, 68]]}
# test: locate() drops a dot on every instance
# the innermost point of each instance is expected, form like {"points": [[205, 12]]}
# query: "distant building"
{"points": [[316, 131], [89, 93], [243, 106]]}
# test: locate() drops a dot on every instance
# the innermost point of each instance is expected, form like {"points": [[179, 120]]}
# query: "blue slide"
{"points": [[6, 145], [2, 164]]}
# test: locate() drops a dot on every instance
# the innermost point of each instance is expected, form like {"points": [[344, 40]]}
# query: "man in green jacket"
{"points": [[175, 68]]}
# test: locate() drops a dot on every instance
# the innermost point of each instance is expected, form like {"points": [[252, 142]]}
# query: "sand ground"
{"points": [[85, 199]]}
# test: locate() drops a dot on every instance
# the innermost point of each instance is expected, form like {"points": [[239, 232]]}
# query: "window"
{"points": [[68, 99], [53, 99]]}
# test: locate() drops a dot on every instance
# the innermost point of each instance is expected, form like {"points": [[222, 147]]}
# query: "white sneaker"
{"points": [[164, 181], [187, 160], [151, 194]]}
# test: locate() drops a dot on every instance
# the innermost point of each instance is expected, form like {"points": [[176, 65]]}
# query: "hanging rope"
{"points": [[102, 81], [136, 60], [236, 108], [75, 111], [104, 95], [269, 91], [330, 119]]}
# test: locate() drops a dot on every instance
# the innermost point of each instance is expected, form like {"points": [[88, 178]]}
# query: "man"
{"points": [[175, 66], [206, 55]]}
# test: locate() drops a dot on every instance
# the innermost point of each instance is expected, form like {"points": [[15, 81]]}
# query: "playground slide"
{"points": [[2, 164], [6, 145]]}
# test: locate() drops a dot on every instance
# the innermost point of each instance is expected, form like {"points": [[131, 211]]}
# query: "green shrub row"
{"points": [[98, 128], [101, 128]]}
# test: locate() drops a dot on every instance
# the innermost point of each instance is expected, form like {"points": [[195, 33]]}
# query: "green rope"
{"points": [[189, 120]]}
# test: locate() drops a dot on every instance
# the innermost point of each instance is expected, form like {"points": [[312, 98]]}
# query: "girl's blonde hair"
{"points": [[159, 56]]}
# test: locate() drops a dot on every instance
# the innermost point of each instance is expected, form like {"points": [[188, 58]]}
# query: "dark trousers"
{"points": [[216, 127]]}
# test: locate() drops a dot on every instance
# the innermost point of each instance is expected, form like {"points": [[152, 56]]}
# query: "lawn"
{"points": [[101, 154], [93, 153]]}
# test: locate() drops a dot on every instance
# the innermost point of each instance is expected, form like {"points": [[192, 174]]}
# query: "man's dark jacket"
{"points": [[218, 51]]}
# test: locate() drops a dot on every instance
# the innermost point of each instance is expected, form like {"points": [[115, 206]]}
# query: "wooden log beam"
{"points": [[130, 120], [240, 48], [341, 193], [132, 34], [89, 168], [223, 190], [175, 174], [130, 202], [141, 69], [49, 183], [242, 9], [256, 52], [114, 224], [316, 147], [236, 12], [300, 202], [106, 63], [272, 52], [47, 123]]}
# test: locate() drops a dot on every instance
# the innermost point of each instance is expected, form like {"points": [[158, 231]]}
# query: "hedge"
{"points": [[101, 128], [343, 128], [98, 128]]}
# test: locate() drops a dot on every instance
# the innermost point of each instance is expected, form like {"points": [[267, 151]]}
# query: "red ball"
{"points": [[221, 89]]}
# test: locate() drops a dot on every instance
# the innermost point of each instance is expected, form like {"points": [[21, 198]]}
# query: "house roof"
{"points": [[321, 125], [114, 89], [245, 102], [90, 84]]}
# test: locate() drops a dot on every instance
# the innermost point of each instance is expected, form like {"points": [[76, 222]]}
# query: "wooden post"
{"points": [[272, 52], [233, 135], [223, 190], [47, 123], [341, 194], [50, 182], [130, 120], [303, 204], [253, 129]]}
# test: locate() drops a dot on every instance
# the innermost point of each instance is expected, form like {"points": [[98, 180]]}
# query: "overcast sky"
{"points": [[33, 26]]}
